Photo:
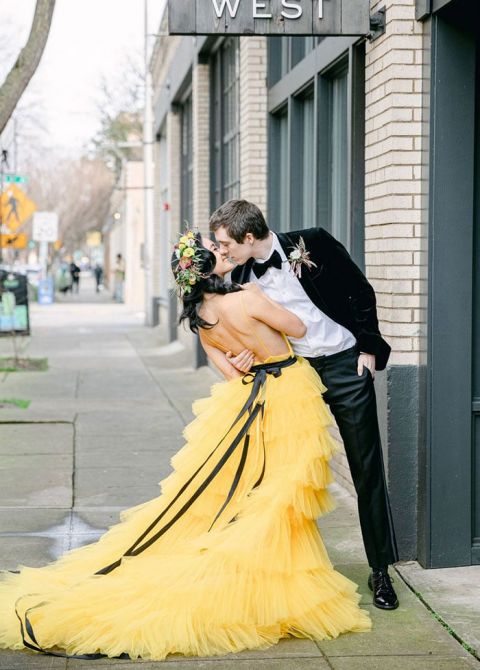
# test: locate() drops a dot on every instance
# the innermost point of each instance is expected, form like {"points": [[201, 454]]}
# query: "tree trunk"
{"points": [[27, 61]]}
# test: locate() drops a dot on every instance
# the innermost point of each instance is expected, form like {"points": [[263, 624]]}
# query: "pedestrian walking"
{"points": [[64, 278], [118, 278], [75, 273], [98, 272]]}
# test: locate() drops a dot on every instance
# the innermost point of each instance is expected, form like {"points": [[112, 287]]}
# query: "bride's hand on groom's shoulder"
{"points": [[242, 361]]}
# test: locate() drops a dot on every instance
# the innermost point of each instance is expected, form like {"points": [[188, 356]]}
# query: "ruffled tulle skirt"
{"points": [[224, 576]]}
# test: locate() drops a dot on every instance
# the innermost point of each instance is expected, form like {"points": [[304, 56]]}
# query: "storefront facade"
{"points": [[351, 134]]}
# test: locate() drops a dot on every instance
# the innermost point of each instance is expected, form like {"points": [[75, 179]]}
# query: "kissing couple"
{"points": [[229, 557]]}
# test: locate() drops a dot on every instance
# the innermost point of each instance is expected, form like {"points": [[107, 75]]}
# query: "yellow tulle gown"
{"points": [[238, 567]]}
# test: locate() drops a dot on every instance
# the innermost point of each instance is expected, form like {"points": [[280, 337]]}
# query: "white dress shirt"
{"points": [[324, 336]]}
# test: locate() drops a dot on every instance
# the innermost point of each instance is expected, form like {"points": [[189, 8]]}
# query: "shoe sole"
{"points": [[381, 607]]}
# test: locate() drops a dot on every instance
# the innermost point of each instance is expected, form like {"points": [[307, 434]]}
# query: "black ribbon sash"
{"points": [[257, 376]]}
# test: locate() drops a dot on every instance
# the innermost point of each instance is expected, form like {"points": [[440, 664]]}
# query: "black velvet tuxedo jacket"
{"points": [[336, 286]]}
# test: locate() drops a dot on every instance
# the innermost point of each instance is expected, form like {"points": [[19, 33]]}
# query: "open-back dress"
{"points": [[228, 557]]}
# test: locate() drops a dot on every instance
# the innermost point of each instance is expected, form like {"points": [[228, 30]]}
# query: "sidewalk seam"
{"points": [[155, 381], [324, 656], [74, 463]]}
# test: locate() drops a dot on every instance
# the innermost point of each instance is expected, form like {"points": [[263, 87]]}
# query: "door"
{"points": [[449, 486]]}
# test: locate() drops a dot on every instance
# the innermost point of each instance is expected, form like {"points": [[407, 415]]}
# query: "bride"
{"points": [[228, 557]]}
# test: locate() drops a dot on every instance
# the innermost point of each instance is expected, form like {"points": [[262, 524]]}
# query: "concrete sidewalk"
{"points": [[103, 423]]}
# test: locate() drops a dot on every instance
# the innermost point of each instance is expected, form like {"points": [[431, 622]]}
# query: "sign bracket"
{"points": [[377, 24]]}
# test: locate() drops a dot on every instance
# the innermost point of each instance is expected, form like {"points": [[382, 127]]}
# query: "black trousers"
{"points": [[351, 398]]}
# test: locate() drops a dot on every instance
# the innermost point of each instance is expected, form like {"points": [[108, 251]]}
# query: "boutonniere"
{"points": [[300, 256]]}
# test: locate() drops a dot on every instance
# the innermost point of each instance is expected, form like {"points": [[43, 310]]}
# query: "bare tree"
{"points": [[27, 61], [78, 190], [120, 113]]}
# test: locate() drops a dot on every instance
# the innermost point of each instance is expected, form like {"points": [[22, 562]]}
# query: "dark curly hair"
{"points": [[210, 283]]}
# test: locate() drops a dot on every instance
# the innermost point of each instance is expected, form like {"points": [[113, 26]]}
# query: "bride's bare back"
{"points": [[248, 320]]}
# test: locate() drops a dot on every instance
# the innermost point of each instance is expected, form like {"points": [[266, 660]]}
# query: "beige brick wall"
{"points": [[201, 146], [395, 238], [156, 257], [253, 120]]}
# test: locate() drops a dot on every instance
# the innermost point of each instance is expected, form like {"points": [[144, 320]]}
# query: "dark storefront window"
{"points": [[307, 162], [280, 157], [338, 152], [225, 135], [286, 52], [316, 151], [187, 163]]}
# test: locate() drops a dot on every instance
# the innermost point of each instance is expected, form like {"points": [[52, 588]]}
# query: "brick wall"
{"points": [[157, 213], [253, 120], [395, 239], [201, 146]]}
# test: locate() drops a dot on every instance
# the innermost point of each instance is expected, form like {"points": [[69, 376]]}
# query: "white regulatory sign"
{"points": [[45, 226]]}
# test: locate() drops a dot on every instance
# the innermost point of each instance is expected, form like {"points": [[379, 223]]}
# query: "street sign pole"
{"points": [[43, 257]]}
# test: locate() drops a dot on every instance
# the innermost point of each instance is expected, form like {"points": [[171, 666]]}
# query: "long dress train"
{"points": [[227, 558]]}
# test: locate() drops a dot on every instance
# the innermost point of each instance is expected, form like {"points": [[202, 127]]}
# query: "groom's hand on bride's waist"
{"points": [[242, 361]]}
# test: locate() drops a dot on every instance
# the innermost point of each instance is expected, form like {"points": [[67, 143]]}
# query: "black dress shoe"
{"points": [[384, 595]]}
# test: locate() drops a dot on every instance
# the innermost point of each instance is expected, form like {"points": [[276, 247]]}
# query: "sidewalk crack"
{"points": [[439, 618]]}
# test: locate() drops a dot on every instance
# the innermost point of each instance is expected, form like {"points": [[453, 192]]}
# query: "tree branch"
{"points": [[27, 62]]}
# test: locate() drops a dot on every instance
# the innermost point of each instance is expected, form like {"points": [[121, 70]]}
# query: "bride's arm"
{"points": [[262, 308], [219, 359]]}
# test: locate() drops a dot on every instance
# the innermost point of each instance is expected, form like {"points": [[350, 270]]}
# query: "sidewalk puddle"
{"points": [[62, 535]]}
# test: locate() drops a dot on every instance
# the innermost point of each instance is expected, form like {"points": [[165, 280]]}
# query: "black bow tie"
{"points": [[275, 261]]}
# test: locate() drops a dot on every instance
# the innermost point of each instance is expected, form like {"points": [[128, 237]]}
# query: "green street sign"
{"points": [[14, 179]]}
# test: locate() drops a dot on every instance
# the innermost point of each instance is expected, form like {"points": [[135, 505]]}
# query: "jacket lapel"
{"points": [[289, 240]]}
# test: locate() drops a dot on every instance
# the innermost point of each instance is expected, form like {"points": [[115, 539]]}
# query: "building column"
{"points": [[395, 247], [159, 290], [253, 120], [201, 145], [172, 221]]}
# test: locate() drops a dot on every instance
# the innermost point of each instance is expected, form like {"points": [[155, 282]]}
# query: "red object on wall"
{"points": [[166, 206]]}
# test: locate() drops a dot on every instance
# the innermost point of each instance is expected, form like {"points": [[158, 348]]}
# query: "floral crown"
{"points": [[187, 272]]}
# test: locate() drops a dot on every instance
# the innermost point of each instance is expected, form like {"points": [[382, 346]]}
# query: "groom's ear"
{"points": [[248, 239]]}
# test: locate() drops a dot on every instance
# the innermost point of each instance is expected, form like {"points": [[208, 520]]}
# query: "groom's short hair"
{"points": [[239, 217]]}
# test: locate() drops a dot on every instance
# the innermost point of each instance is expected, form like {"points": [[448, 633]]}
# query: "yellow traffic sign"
{"points": [[16, 207], [13, 241]]}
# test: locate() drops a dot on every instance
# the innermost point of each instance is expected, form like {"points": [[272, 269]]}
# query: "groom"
{"points": [[322, 285]]}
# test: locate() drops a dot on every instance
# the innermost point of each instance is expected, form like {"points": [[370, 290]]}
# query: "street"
{"points": [[103, 423]]}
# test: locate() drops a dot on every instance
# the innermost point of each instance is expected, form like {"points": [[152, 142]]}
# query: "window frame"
{"points": [[220, 139], [316, 70], [186, 160]]}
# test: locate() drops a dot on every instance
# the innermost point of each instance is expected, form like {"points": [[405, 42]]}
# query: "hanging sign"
{"points": [[269, 17]]}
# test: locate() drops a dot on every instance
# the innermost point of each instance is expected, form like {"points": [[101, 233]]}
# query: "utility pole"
{"points": [[148, 179], [3, 163]]}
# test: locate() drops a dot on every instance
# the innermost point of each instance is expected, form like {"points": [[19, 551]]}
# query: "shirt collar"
{"points": [[276, 246]]}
